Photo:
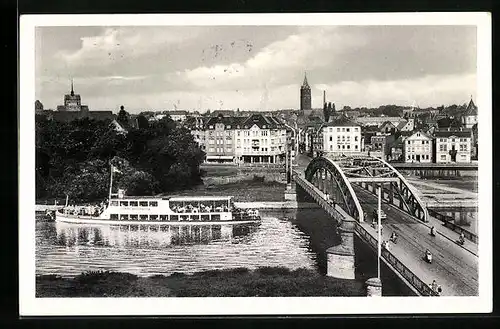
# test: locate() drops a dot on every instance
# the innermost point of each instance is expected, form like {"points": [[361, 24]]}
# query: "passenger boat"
{"points": [[121, 209], [167, 210]]}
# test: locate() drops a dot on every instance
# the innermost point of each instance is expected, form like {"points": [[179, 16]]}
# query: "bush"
{"points": [[267, 270]]}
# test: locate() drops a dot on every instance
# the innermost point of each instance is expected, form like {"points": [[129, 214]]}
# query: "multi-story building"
{"points": [[218, 138], [380, 145], [453, 145], [253, 139], [341, 136], [418, 147], [260, 139]]}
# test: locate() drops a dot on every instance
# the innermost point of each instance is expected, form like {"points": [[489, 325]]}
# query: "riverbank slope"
{"points": [[238, 282]]}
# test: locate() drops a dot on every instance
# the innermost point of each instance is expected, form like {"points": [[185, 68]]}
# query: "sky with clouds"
{"points": [[255, 67]]}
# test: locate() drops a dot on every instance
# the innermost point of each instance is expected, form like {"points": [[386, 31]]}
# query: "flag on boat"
{"points": [[114, 169]]}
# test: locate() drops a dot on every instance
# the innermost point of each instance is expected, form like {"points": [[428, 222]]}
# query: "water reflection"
{"points": [[70, 249], [147, 236]]}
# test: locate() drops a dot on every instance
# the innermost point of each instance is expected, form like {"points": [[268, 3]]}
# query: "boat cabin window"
{"points": [[143, 203], [205, 217], [114, 203], [113, 216], [143, 217], [215, 217], [174, 217], [123, 217], [133, 217], [153, 203], [153, 217], [124, 203], [195, 217], [134, 203], [163, 217]]}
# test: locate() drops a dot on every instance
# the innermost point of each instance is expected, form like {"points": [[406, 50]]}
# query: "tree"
{"points": [[142, 122]]}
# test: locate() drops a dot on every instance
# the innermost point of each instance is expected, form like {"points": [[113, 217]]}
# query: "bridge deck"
{"points": [[453, 267]]}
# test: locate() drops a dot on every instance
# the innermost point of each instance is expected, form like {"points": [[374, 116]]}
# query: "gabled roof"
{"points": [[422, 134], [451, 132], [471, 109], [227, 121], [263, 122], [342, 121], [401, 124]]}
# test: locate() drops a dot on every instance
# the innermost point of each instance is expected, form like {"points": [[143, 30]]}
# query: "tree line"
{"points": [[74, 158]]}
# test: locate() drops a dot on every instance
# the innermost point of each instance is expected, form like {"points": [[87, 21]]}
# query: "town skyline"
{"points": [[255, 67]]}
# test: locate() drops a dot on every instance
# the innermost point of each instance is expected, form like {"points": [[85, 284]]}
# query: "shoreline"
{"points": [[272, 205]]}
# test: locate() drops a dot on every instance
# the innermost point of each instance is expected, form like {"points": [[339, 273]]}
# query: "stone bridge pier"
{"points": [[340, 258]]}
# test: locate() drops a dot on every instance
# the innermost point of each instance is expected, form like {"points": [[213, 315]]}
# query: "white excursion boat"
{"points": [[155, 210], [121, 209]]}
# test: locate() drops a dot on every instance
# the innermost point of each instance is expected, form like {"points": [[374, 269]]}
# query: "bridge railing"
{"points": [[448, 222], [401, 268]]}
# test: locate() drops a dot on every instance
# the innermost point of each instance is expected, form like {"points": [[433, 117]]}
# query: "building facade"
{"points": [[453, 146], [260, 139], [218, 139], [418, 148], [381, 143], [341, 136]]}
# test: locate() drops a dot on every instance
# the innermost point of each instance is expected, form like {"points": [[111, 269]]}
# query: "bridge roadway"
{"points": [[453, 267]]}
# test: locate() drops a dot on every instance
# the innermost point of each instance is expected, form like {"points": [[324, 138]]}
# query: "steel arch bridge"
{"points": [[336, 176]]}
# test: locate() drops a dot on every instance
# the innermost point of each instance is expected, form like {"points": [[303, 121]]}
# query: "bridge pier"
{"points": [[340, 258]]}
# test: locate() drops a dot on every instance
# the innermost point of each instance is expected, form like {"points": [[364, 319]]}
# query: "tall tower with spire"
{"points": [[305, 96], [72, 102]]}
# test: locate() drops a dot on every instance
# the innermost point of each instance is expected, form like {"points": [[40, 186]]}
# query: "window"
{"points": [[356, 129], [143, 217], [355, 138], [343, 129], [153, 203], [211, 127], [238, 133], [134, 203], [163, 217], [114, 203], [124, 203], [331, 147], [330, 129], [331, 138], [423, 142], [347, 129], [153, 217], [123, 217], [343, 147], [338, 147], [113, 216], [443, 157], [211, 142], [408, 142], [356, 147], [143, 203], [348, 146], [133, 217], [211, 149], [338, 129]]}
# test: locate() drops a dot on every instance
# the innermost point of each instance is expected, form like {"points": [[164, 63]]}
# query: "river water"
{"points": [[70, 249]]}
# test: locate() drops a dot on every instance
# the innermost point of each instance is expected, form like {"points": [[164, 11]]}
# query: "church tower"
{"points": [[305, 96]]}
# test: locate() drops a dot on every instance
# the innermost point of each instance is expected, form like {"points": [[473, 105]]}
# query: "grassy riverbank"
{"points": [[239, 282], [244, 191]]}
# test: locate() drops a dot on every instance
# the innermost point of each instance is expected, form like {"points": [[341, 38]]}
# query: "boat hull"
{"points": [[103, 221]]}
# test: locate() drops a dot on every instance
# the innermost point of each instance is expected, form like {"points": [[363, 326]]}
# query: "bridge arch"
{"points": [[318, 170], [366, 171]]}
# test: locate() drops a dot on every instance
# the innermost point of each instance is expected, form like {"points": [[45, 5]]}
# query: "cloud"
{"points": [[308, 49], [116, 43], [426, 91]]}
